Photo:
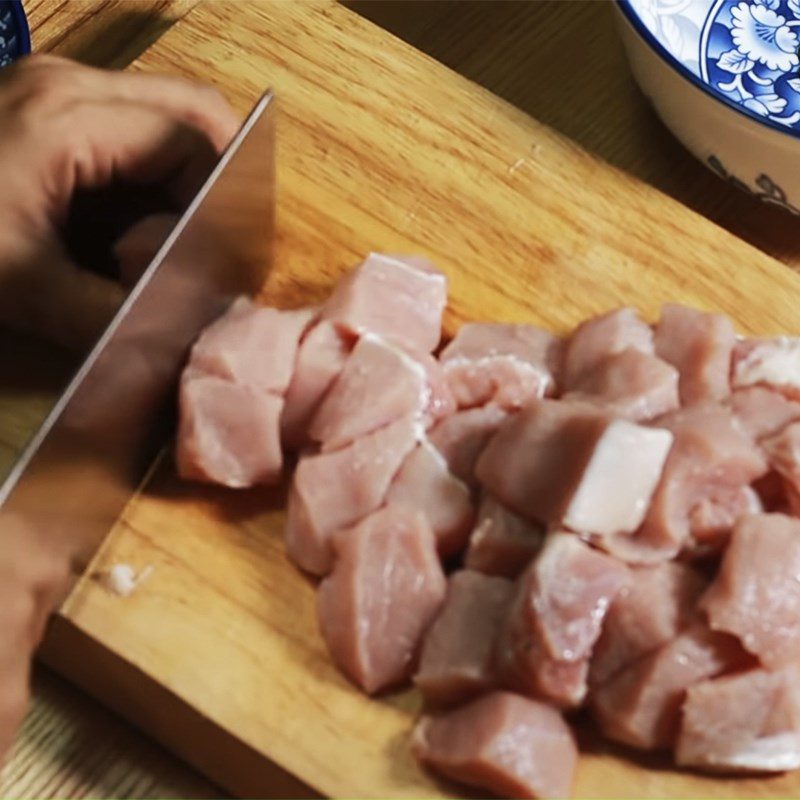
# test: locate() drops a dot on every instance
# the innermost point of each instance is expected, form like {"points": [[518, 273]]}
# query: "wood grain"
{"points": [[563, 63], [105, 33], [382, 148]]}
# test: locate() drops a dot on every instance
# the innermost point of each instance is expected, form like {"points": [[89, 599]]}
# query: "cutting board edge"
{"points": [[133, 694]]}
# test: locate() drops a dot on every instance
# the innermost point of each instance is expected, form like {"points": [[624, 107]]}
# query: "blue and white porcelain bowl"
{"points": [[15, 37], [724, 76]]}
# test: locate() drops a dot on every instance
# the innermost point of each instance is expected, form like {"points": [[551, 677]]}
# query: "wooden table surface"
{"points": [[69, 746]]}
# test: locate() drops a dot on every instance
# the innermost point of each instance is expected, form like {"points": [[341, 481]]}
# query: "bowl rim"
{"points": [[630, 15]]}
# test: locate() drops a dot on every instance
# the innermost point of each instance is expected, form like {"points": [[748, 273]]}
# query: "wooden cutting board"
{"points": [[217, 654]]}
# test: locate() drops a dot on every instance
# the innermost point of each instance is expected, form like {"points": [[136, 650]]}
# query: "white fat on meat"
{"points": [[769, 362]]}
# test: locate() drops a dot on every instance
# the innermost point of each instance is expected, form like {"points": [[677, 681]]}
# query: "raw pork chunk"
{"points": [[763, 412], [462, 436], [501, 363], [385, 588], [640, 706], [502, 543], [743, 723], [503, 743], [567, 463], [651, 611], [783, 453], [425, 483], [334, 490], [700, 346], [561, 599], [400, 299], [630, 384], [228, 434], [600, 337], [711, 458], [252, 345], [456, 661], [378, 385], [756, 594], [769, 362], [320, 359]]}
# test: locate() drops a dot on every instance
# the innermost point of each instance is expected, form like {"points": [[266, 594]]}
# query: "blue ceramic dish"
{"points": [[15, 36], [724, 75]]}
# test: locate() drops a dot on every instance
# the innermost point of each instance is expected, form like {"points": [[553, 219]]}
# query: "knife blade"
{"points": [[91, 453]]}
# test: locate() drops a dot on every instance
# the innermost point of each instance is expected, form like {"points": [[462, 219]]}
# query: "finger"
{"points": [[135, 249], [103, 142], [196, 105], [57, 300]]}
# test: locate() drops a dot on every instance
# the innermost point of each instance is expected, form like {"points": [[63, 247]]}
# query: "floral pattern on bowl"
{"points": [[745, 50], [15, 38]]}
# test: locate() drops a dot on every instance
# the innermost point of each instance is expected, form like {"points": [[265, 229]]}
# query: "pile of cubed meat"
{"points": [[524, 525]]}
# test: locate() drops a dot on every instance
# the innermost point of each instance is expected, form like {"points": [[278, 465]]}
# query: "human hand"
{"points": [[67, 127], [33, 576]]}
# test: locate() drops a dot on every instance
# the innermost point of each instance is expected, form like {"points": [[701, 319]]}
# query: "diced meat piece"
{"points": [[398, 299], [456, 661], [502, 543], [748, 722], [502, 363], [713, 518], [378, 385], [565, 462], [502, 743], [228, 433], [783, 453], [770, 362], [700, 346], [320, 359], [631, 384], [252, 345], [710, 454], [763, 412], [425, 483], [561, 600], [441, 402], [597, 338], [386, 587], [640, 706], [461, 437], [336, 489], [756, 594], [657, 605]]}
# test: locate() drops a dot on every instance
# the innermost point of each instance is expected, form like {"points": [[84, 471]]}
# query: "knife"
{"points": [[95, 447]]}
